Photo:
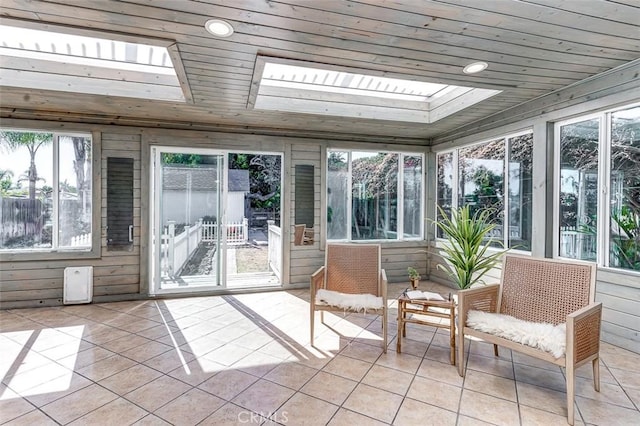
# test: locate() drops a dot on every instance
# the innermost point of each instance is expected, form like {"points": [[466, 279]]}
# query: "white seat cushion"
{"points": [[547, 337], [355, 302]]}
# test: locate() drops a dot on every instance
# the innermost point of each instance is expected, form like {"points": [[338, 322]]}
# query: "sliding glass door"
{"points": [[215, 220], [188, 242]]}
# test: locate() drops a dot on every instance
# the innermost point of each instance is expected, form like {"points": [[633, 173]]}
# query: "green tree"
{"points": [[82, 151], [379, 172], [190, 159], [5, 181], [32, 141], [264, 178], [625, 238], [239, 161], [337, 161], [65, 186], [489, 193]]}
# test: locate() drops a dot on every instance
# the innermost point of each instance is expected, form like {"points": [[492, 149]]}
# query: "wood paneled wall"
{"points": [[620, 297], [26, 283], [118, 274], [304, 260], [124, 276]]}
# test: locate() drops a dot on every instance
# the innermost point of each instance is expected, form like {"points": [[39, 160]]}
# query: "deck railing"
{"points": [[178, 249], [275, 247], [576, 244], [237, 233]]}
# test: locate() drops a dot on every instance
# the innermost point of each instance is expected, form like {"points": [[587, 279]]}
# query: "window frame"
{"points": [[556, 181], [64, 253], [455, 182], [400, 238], [603, 207]]}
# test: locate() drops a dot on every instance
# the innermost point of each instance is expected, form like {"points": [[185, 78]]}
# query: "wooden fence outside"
{"points": [[21, 218]]}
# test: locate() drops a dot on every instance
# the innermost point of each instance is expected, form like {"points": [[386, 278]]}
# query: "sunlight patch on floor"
{"points": [[28, 372]]}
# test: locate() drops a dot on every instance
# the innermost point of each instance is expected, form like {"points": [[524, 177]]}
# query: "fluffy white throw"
{"points": [[547, 337], [356, 302]]}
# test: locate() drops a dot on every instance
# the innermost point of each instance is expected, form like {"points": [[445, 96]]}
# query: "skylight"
{"points": [[55, 60], [303, 87], [282, 75]]}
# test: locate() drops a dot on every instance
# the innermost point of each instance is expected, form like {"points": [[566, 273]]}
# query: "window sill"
{"points": [[439, 243], [384, 243], [619, 276], [35, 255]]}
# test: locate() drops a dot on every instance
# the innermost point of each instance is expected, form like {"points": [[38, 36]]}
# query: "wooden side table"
{"points": [[421, 307]]}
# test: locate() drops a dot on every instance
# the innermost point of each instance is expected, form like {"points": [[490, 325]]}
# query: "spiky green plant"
{"points": [[413, 273], [467, 243]]}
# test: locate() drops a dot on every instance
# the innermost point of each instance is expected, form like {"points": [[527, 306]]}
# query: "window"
{"points": [[374, 195], [520, 191], [45, 190], [481, 180], [579, 189], [598, 194], [494, 175], [445, 187], [624, 221]]}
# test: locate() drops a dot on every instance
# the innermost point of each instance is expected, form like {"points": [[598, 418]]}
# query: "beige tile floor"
{"points": [[246, 359]]}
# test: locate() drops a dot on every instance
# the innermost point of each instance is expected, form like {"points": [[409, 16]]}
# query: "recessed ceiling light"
{"points": [[218, 27], [475, 67]]}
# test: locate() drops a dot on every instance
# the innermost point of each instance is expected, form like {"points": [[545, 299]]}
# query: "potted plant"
{"points": [[414, 277], [466, 249]]}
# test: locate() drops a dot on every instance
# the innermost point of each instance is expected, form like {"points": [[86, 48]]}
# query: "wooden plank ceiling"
{"points": [[533, 47]]}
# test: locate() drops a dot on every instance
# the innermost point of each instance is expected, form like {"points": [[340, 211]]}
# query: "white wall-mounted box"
{"points": [[78, 285]]}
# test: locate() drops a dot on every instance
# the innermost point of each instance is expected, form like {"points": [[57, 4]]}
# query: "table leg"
{"points": [[452, 334], [400, 326], [404, 319]]}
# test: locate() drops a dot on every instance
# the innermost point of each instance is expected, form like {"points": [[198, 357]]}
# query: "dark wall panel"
{"points": [[304, 195], [119, 203]]}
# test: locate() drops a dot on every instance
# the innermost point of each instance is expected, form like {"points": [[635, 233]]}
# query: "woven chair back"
{"points": [[353, 268], [545, 290], [298, 234]]}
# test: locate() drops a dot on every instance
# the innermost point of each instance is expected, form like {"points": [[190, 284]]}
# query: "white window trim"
{"points": [[55, 240], [556, 184], [55, 248], [400, 191], [604, 183], [455, 181]]}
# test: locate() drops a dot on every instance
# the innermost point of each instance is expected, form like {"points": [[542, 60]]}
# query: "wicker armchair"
{"points": [[352, 269], [541, 291], [302, 235]]}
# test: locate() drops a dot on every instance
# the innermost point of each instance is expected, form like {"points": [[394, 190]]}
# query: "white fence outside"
{"points": [[577, 245], [237, 233], [275, 247], [178, 249], [82, 240]]}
